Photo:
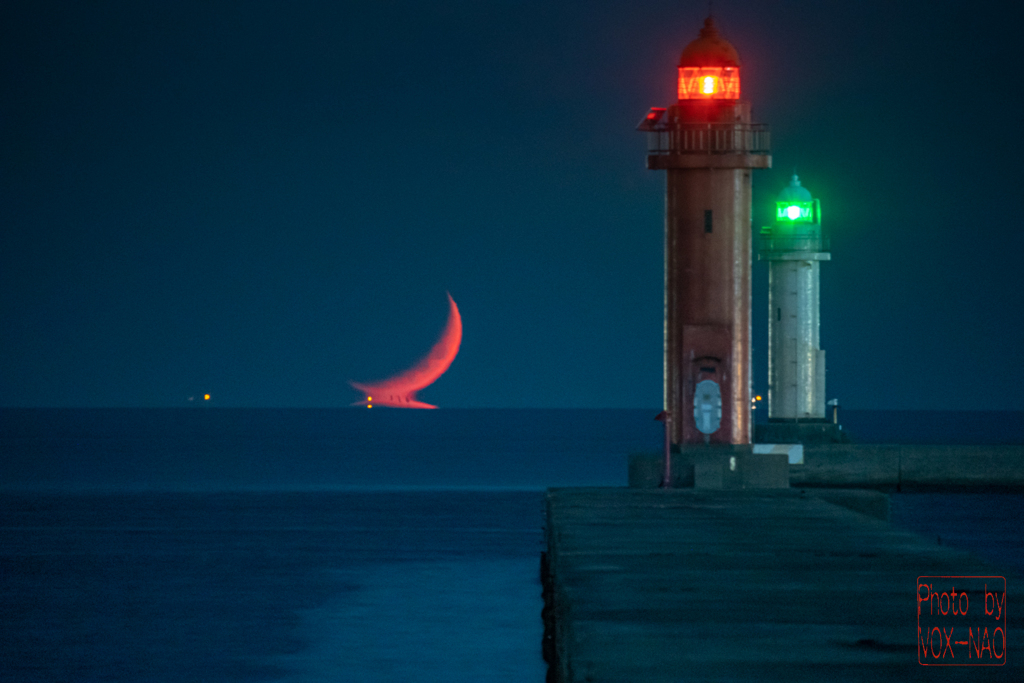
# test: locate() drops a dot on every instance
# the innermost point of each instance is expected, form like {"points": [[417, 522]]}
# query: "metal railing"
{"points": [[710, 138], [775, 244]]}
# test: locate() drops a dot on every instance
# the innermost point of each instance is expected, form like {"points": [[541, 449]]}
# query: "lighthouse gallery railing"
{"points": [[710, 138]]}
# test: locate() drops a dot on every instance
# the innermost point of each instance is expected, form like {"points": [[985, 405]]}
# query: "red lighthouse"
{"points": [[708, 146]]}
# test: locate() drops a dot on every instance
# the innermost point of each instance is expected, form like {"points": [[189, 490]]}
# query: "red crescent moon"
{"points": [[400, 391]]}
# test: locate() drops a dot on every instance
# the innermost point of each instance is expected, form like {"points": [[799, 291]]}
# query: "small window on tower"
{"points": [[707, 220]]}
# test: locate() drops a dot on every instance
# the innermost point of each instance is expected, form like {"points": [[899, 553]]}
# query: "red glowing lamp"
{"points": [[709, 68], [709, 83]]}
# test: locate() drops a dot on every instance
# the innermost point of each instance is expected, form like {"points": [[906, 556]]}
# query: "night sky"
{"points": [[263, 201]]}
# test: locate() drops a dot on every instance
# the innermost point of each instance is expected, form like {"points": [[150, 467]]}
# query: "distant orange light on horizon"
{"points": [[206, 397]]}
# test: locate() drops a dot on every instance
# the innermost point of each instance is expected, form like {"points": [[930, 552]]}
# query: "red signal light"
{"points": [[709, 83], [651, 119]]}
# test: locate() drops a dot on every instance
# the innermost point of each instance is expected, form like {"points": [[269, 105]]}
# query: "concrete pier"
{"points": [[759, 585], [906, 468]]}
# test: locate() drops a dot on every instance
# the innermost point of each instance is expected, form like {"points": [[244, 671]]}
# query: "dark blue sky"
{"points": [[262, 201]]}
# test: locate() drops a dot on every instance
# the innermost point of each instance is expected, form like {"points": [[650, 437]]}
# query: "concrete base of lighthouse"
{"points": [[723, 467], [807, 432]]}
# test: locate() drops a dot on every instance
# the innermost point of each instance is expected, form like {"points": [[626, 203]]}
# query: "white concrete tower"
{"points": [[794, 248]]}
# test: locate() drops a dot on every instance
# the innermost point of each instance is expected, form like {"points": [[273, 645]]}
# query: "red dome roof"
{"points": [[710, 49]]}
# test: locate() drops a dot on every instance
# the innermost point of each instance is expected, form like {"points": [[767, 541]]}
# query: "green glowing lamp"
{"points": [[795, 205], [796, 211], [797, 226]]}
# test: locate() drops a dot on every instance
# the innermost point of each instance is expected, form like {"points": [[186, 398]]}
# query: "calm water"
{"points": [[334, 545], [435, 586]]}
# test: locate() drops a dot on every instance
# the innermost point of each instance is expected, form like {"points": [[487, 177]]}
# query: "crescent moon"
{"points": [[400, 391]]}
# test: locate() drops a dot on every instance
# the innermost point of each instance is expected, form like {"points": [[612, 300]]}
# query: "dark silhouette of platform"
{"points": [[743, 585]]}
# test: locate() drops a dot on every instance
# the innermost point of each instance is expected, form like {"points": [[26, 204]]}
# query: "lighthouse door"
{"points": [[707, 407]]}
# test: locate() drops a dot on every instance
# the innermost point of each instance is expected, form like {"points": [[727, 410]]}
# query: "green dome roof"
{"points": [[795, 192]]}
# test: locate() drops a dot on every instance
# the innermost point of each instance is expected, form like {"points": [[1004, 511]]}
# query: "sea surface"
{"points": [[336, 545]]}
